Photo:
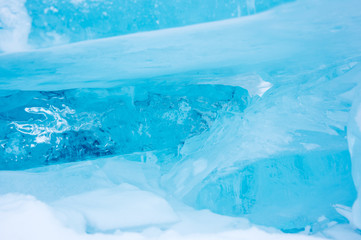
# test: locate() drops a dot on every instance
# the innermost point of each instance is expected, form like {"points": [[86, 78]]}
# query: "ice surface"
{"points": [[354, 141], [62, 126], [182, 133], [105, 212], [15, 25], [59, 22], [245, 45], [231, 148], [44, 23]]}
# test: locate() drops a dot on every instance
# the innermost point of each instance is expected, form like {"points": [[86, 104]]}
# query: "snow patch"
{"points": [[124, 206]]}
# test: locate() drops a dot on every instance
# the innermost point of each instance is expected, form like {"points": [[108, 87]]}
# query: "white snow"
{"points": [[124, 206], [23, 217]]}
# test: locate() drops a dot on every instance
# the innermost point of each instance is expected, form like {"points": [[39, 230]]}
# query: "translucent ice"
{"points": [[186, 130], [61, 126], [59, 22], [354, 141]]}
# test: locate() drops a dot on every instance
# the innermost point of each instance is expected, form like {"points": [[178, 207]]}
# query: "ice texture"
{"points": [[15, 26], [59, 22], [89, 200], [62, 126], [44, 23], [354, 141], [206, 131]]}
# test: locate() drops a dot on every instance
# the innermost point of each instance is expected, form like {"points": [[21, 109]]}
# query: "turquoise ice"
{"points": [[236, 113]]}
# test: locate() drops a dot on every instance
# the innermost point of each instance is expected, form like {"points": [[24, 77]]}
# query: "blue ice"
{"points": [[138, 117]]}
